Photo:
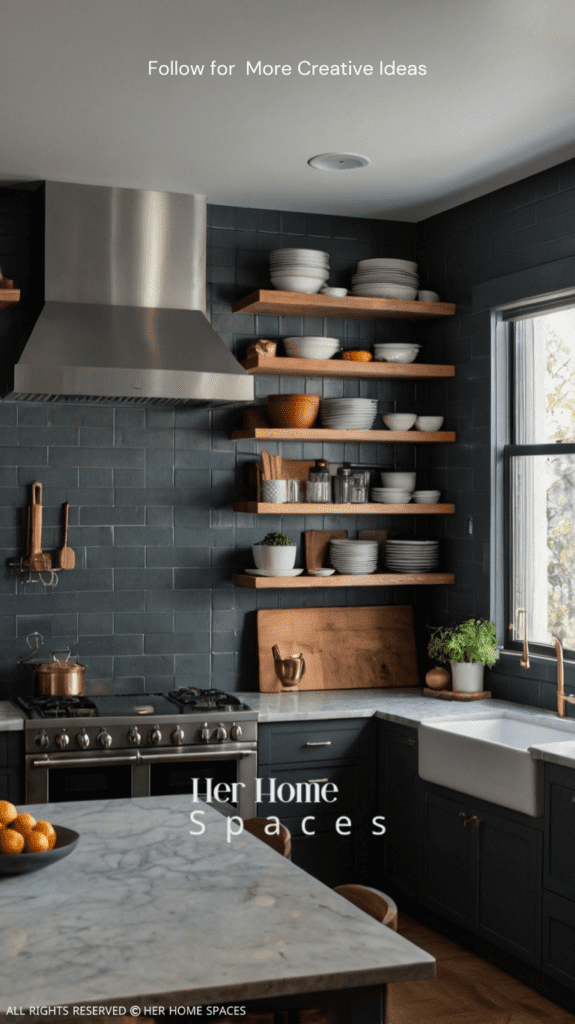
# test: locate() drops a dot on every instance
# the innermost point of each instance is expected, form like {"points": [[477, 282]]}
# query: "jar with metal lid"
{"points": [[318, 487], [341, 485]]}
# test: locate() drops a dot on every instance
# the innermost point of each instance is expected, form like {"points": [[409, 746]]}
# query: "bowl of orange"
{"points": [[28, 845]]}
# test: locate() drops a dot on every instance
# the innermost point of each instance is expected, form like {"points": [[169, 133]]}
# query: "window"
{"points": [[540, 480]]}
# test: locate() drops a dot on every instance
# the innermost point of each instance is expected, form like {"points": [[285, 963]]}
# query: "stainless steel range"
{"points": [[81, 748]]}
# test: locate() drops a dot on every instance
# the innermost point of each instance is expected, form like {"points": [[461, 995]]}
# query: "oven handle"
{"points": [[137, 758], [224, 755]]}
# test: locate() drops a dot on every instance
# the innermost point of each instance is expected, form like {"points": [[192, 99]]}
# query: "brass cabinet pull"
{"points": [[475, 820], [573, 799], [463, 815], [319, 743]]}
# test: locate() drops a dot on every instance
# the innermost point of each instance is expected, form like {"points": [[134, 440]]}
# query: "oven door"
{"points": [[59, 777]]}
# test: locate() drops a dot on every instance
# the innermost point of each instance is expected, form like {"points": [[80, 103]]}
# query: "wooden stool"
{"points": [[281, 842]]}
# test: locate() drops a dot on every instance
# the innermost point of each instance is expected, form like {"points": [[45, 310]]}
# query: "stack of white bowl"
{"points": [[348, 413], [311, 347], [411, 555], [397, 488], [299, 270], [353, 557], [386, 279]]}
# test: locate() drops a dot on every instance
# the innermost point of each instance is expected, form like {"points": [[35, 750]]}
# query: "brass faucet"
{"points": [[562, 698], [524, 660]]}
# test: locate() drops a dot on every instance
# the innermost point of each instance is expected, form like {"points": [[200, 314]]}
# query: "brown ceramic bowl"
{"points": [[297, 411]]}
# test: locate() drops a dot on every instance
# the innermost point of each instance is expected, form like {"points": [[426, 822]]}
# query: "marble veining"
{"points": [[11, 720], [142, 911]]}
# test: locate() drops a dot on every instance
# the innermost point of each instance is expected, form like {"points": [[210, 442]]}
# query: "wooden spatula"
{"points": [[39, 560], [66, 555]]}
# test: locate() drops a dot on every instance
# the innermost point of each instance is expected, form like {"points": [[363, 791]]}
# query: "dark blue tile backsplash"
{"points": [[151, 602]]}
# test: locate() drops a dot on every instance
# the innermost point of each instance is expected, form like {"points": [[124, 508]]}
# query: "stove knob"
{"points": [[177, 736], [236, 732], [62, 739], [83, 740], [134, 737], [205, 733], [103, 739], [220, 734], [155, 736], [42, 740]]}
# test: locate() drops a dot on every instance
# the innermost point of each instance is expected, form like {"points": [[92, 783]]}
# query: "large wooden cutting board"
{"points": [[344, 648]]}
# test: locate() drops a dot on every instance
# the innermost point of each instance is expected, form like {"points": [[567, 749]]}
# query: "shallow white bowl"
{"points": [[301, 348], [400, 480], [387, 262], [297, 271], [426, 497], [391, 497], [385, 291], [428, 296], [336, 293], [300, 252], [399, 420], [405, 355], [304, 285], [429, 422]]}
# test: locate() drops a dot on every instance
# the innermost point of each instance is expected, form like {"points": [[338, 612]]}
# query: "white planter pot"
{"points": [[280, 558], [467, 677]]}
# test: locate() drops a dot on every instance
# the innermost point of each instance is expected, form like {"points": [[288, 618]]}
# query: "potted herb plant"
{"points": [[275, 554], [468, 648]]}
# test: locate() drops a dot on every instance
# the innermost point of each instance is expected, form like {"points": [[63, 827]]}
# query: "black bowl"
{"points": [[21, 863]]}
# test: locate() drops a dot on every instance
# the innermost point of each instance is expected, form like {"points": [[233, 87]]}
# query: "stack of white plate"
{"points": [[348, 413], [411, 555], [386, 279], [390, 495], [299, 270], [353, 557]]}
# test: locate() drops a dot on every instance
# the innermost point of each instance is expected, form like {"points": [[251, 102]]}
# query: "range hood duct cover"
{"points": [[124, 317]]}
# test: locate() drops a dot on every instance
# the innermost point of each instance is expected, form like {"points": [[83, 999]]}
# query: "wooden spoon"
{"points": [[266, 463], [66, 555], [39, 560]]}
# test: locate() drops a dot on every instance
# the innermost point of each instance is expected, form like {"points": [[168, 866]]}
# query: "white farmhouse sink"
{"points": [[489, 758]]}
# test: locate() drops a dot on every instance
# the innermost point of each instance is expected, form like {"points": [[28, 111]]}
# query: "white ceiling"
{"points": [[496, 104]]}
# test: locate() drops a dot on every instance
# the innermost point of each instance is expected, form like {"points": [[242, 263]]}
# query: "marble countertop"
{"points": [[407, 707], [143, 913], [11, 720]]}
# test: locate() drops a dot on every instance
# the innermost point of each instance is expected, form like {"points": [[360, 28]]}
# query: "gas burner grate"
{"points": [[51, 706], [192, 698]]}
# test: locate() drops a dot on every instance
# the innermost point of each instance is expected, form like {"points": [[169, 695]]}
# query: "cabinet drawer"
{"points": [[345, 778], [296, 742]]}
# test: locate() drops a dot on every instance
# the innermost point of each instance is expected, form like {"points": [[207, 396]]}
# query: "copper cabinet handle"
{"points": [[463, 815], [319, 743], [475, 820]]}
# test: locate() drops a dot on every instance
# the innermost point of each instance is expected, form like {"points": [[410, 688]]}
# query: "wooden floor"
{"points": [[467, 990]]}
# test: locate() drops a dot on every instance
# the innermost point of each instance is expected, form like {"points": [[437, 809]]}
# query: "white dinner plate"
{"points": [[267, 572]]}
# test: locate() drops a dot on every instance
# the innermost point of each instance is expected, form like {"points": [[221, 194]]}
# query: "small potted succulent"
{"points": [[468, 647], [275, 554]]}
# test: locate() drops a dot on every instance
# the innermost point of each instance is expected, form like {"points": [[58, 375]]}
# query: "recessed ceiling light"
{"points": [[338, 161]]}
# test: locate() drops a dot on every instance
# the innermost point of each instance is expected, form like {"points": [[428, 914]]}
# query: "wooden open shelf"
{"points": [[391, 579], [351, 307], [326, 434], [287, 367], [312, 508], [9, 297]]}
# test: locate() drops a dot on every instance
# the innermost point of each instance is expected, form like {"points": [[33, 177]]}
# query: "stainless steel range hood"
{"points": [[124, 317]]}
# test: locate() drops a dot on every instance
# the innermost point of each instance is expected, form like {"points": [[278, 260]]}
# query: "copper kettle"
{"points": [[61, 678]]}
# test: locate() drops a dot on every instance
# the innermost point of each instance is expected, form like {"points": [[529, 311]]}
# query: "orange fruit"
{"points": [[46, 829], [11, 841], [24, 823], [7, 812], [37, 843]]}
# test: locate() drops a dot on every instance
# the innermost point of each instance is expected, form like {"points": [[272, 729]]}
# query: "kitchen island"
{"points": [[145, 914]]}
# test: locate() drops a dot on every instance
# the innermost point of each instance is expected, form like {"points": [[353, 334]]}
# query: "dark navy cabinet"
{"points": [[559, 875], [482, 869], [337, 751], [11, 766], [396, 855]]}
